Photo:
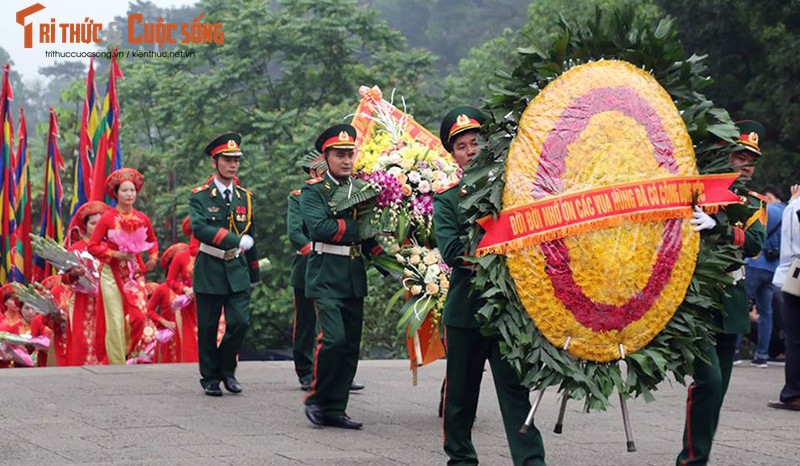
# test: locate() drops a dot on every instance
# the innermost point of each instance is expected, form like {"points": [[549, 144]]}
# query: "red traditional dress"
{"points": [[122, 303], [38, 328], [83, 339], [60, 353], [159, 309], [179, 278]]}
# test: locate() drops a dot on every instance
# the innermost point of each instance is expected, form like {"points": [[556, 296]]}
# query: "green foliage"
{"points": [[754, 56], [486, 66], [281, 76], [626, 35], [449, 29]]}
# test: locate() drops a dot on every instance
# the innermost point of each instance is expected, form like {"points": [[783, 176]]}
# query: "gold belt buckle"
{"points": [[355, 251], [230, 254]]}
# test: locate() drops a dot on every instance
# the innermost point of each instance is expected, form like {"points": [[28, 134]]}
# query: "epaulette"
{"points": [[314, 181], [445, 188], [200, 188], [759, 196], [296, 192], [244, 190]]}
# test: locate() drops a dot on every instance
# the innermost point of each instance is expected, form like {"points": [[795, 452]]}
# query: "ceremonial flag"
{"points": [[7, 184], [51, 201], [82, 180], [108, 149], [23, 260]]}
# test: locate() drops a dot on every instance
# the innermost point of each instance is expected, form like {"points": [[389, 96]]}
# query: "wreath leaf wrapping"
{"points": [[672, 352]]}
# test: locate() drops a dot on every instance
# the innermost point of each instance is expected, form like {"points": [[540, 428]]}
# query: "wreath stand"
{"points": [[558, 429]]}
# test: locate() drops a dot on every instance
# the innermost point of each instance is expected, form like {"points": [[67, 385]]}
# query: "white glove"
{"points": [[246, 242], [701, 220]]}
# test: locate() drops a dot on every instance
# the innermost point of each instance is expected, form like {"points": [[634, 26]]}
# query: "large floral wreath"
{"points": [[507, 281]]}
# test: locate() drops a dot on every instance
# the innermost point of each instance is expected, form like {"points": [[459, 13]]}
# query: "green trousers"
{"points": [[216, 363], [704, 400], [467, 352], [303, 335], [336, 354]]}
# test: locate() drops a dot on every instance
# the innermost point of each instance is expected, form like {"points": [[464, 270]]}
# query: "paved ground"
{"points": [[157, 415]]}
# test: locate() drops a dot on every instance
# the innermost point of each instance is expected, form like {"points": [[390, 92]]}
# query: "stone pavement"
{"points": [[157, 415]]}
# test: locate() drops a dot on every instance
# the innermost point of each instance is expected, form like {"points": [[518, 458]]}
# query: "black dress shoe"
{"points": [[356, 386], [232, 385], [212, 389], [343, 421], [305, 386], [316, 414]]}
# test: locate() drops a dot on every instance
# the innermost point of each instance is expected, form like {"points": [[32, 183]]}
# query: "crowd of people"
{"points": [[117, 321], [208, 282]]}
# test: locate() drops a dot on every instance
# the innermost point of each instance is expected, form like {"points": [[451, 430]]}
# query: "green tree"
{"points": [[486, 66], [281, 76], [449, 29], [753, 52]]}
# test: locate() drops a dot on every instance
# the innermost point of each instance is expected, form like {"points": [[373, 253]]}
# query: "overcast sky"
{"points": [[28, 61]]}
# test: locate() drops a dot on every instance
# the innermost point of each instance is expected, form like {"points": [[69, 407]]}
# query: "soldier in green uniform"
{"points": [[226, 267], [336, 280], [305, 319], [467, 348], [744, 228], [304, 331]]}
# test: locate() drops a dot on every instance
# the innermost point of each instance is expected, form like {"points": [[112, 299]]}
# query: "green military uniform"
{"points": [[222, 282], [467, 348], [305, 319], [337, 284], [744, 228], [336, 280]]}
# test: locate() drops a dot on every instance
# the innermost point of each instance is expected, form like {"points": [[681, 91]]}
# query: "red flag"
{"points": [[52, 226], [7, 183], [109, 151], [23, 259], [82, 184]]}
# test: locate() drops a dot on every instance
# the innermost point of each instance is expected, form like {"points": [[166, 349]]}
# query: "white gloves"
{"points": [[246, 242], [701, 220]]}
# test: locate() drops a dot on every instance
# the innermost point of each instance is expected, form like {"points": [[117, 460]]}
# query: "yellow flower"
{"points": [[445, 284], [416, 290], [431, 288], [400, 258], [414, 259], [406, 190], [612, 265], [402, 178]]}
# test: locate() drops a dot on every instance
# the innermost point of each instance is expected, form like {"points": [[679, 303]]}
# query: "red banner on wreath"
{"points": [[594, 209]]}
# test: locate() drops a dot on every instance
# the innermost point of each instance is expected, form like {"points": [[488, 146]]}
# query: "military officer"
{"points": [[467, 348], [336, 280], [305, 318], [744, 229], [226, 267]]}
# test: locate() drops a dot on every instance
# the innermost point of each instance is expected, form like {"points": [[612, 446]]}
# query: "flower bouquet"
{"points": [[426, 280], [130, 238], [64, 260], [13, 353], [147, 355], [180, 302], [400, 165], [39, 298]]}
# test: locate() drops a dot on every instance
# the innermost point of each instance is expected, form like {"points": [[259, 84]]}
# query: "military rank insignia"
{"points": [[241, 213]]}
